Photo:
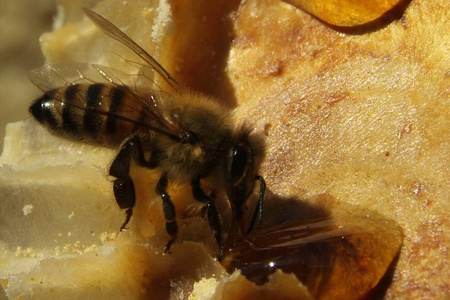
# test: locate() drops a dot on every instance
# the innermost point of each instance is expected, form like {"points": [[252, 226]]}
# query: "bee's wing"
{"points": [[114, 32], [141, 99], [328, 229], [141, 82], [292, 234], [50, 77]]}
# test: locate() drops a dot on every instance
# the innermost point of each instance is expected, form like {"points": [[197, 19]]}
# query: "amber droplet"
{"points": [[345, 13]]}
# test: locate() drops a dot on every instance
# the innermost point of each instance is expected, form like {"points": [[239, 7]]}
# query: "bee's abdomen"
{"points": [[94, 113]]}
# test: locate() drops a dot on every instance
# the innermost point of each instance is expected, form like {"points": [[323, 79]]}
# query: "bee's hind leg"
{"points": [[213, 217], [124, 191], [169, 211]]}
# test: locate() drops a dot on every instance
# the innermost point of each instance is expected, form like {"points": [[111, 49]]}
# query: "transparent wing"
{"points": [[50, 77], [142, 81], [111, 30]]}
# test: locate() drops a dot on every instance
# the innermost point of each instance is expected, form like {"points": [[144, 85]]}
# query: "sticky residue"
{"points": [[27, 209]]}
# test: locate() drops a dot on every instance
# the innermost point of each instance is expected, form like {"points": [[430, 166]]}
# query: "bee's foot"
{"points": [[166, 248]]}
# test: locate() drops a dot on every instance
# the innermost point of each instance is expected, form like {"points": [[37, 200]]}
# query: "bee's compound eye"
{"points": [[238, 163]]}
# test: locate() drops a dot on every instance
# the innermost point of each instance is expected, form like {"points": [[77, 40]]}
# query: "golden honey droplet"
{"points": [[345, 13]]}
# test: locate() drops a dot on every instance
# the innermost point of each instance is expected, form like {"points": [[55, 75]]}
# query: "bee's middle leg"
{"points": [[213, 217], [124, 191], [169, 211]]}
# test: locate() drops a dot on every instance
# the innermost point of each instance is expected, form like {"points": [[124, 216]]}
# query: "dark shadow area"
{"points": [[278, 210], [379, 292], [333, 248]]}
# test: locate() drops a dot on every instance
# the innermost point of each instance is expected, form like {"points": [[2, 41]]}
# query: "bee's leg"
{"points": [[213, 217], [169, 211], [123, 186], [259, 209]]}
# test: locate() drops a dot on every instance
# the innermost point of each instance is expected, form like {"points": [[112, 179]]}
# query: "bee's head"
{"points": [[242, 165]]}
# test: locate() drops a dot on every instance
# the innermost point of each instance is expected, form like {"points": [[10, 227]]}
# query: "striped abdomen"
{"points": [[94, 113]]}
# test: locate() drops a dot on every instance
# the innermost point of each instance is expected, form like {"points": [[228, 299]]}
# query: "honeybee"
{"points": [[186, 135], [339, 251]]}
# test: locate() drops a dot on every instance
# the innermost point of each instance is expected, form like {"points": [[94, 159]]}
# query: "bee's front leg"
{"points": [[213, 217], [124, 191]]}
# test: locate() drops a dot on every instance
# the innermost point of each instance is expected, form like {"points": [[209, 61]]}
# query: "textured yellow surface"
{"points": [[362, 116]]}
